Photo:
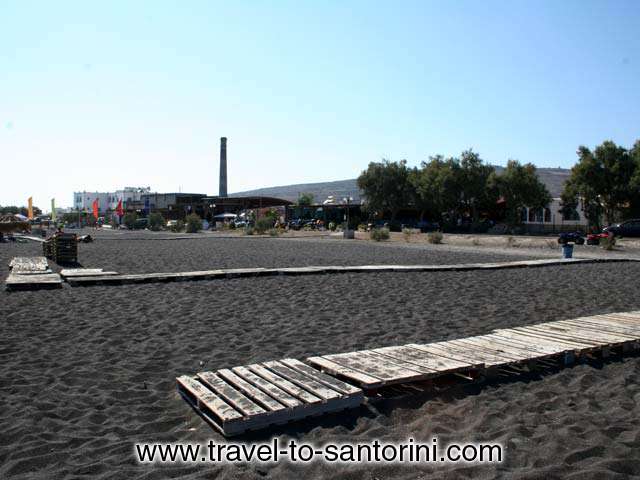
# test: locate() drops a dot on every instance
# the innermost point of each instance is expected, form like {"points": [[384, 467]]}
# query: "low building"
{"points": [[107, 201], [551, 219]]}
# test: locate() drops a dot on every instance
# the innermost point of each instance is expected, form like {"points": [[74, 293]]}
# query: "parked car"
{"points": [[630, 228], [571, 237], [594, 238]]}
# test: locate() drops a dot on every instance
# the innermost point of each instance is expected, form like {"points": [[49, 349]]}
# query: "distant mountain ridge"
{"points": [[553, 178]]}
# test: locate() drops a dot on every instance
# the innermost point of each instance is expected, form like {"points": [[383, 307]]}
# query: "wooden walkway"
{"points": [[315, 270], [252, 397]]}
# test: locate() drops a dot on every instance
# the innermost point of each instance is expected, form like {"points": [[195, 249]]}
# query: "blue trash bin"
{"points": [[567, 250]]}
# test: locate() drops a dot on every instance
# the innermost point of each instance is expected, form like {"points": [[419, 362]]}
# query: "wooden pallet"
{"points": [[255, 396], [32, 281], [28, 264]]}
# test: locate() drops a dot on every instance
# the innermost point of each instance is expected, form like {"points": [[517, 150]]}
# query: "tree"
{"points": [[193, 223], [129, 220], [156, 221], [603, 180], [520, 187], [305, 199], [473, 180], [434, 186], [386, 186]]}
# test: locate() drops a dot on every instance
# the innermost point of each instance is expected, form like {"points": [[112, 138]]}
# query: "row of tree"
{"points": [[12, 209], [447, 189], [605, 184]]}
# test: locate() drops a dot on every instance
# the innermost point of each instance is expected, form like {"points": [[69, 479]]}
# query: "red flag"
{"points": [[95, 208], [119, 209]]}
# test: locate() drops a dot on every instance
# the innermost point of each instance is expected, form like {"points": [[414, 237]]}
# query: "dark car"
{"points": [[630, 228], [571, 237]]}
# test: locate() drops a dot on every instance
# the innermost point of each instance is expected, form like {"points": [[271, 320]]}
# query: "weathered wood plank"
{"points": [[377, 366], [84, 272], [34, 264], [207, 398], [580, 334], [332, 382], [353, 375], [267, 387], [315, 388], [249, 390], [284, 384], [233, 397], [434, 363]]}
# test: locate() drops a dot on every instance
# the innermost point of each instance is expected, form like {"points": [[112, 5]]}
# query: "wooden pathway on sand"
{"points": [[252, 397], [315, 270]]}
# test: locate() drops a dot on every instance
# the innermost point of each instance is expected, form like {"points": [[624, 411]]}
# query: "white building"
{"points": [[552, 219], [107, 200]]}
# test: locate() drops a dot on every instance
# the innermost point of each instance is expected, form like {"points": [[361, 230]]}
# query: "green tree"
{"points": [[156, 221], [434, 186], [520, 187], [473, 181], [193, 223], [386, 186], [129, 220], [603, 180], [305, 199]]}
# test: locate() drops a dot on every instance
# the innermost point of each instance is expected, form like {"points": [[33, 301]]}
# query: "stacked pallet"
{"points": [[61, 248]]}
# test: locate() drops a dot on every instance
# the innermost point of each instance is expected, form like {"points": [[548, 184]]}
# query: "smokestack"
{"points": [[223, 167]]}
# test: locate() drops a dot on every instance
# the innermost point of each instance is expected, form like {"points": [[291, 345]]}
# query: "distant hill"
{"points": [[553, 178]]}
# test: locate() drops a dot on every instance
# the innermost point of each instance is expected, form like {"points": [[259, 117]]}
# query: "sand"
{"points": [[87, 372]]}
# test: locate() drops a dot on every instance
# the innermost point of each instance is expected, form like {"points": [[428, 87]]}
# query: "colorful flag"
{"points": [[95, 208], [30, 210], [53, 209], [120, 209]]}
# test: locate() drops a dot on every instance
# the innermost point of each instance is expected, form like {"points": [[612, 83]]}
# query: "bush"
{"points": [[178, 226], [608, 242], [263, 224], [248, 231], [129, 220], [156, 222], [194, 223], [407, 232], [274, 232], [379, 234], [434, 237], [332, 226]]}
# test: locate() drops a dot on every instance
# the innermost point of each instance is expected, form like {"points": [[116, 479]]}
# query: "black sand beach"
{"points": [[87, 372]]}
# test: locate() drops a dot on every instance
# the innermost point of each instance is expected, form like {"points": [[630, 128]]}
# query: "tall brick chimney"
{"points": [[223, 167]]}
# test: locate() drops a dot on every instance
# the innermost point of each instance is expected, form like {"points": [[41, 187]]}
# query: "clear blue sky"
{"points": [[99, 95]]}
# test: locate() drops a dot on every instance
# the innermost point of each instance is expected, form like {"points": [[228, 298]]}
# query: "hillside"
{"points": [[553, 178]]}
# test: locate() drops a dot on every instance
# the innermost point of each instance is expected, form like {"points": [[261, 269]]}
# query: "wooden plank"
{"points": [[528, 344], [602, 327], [284, 384], [207, 398], [541, 336], [232, 396], [448, 354], [267, 387], [249, 390], [597, 337], [84, 272], [310, 385], [356, 376], [377, 366], [423, 359], [317, 375], [472, 353], [498, 348]]}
